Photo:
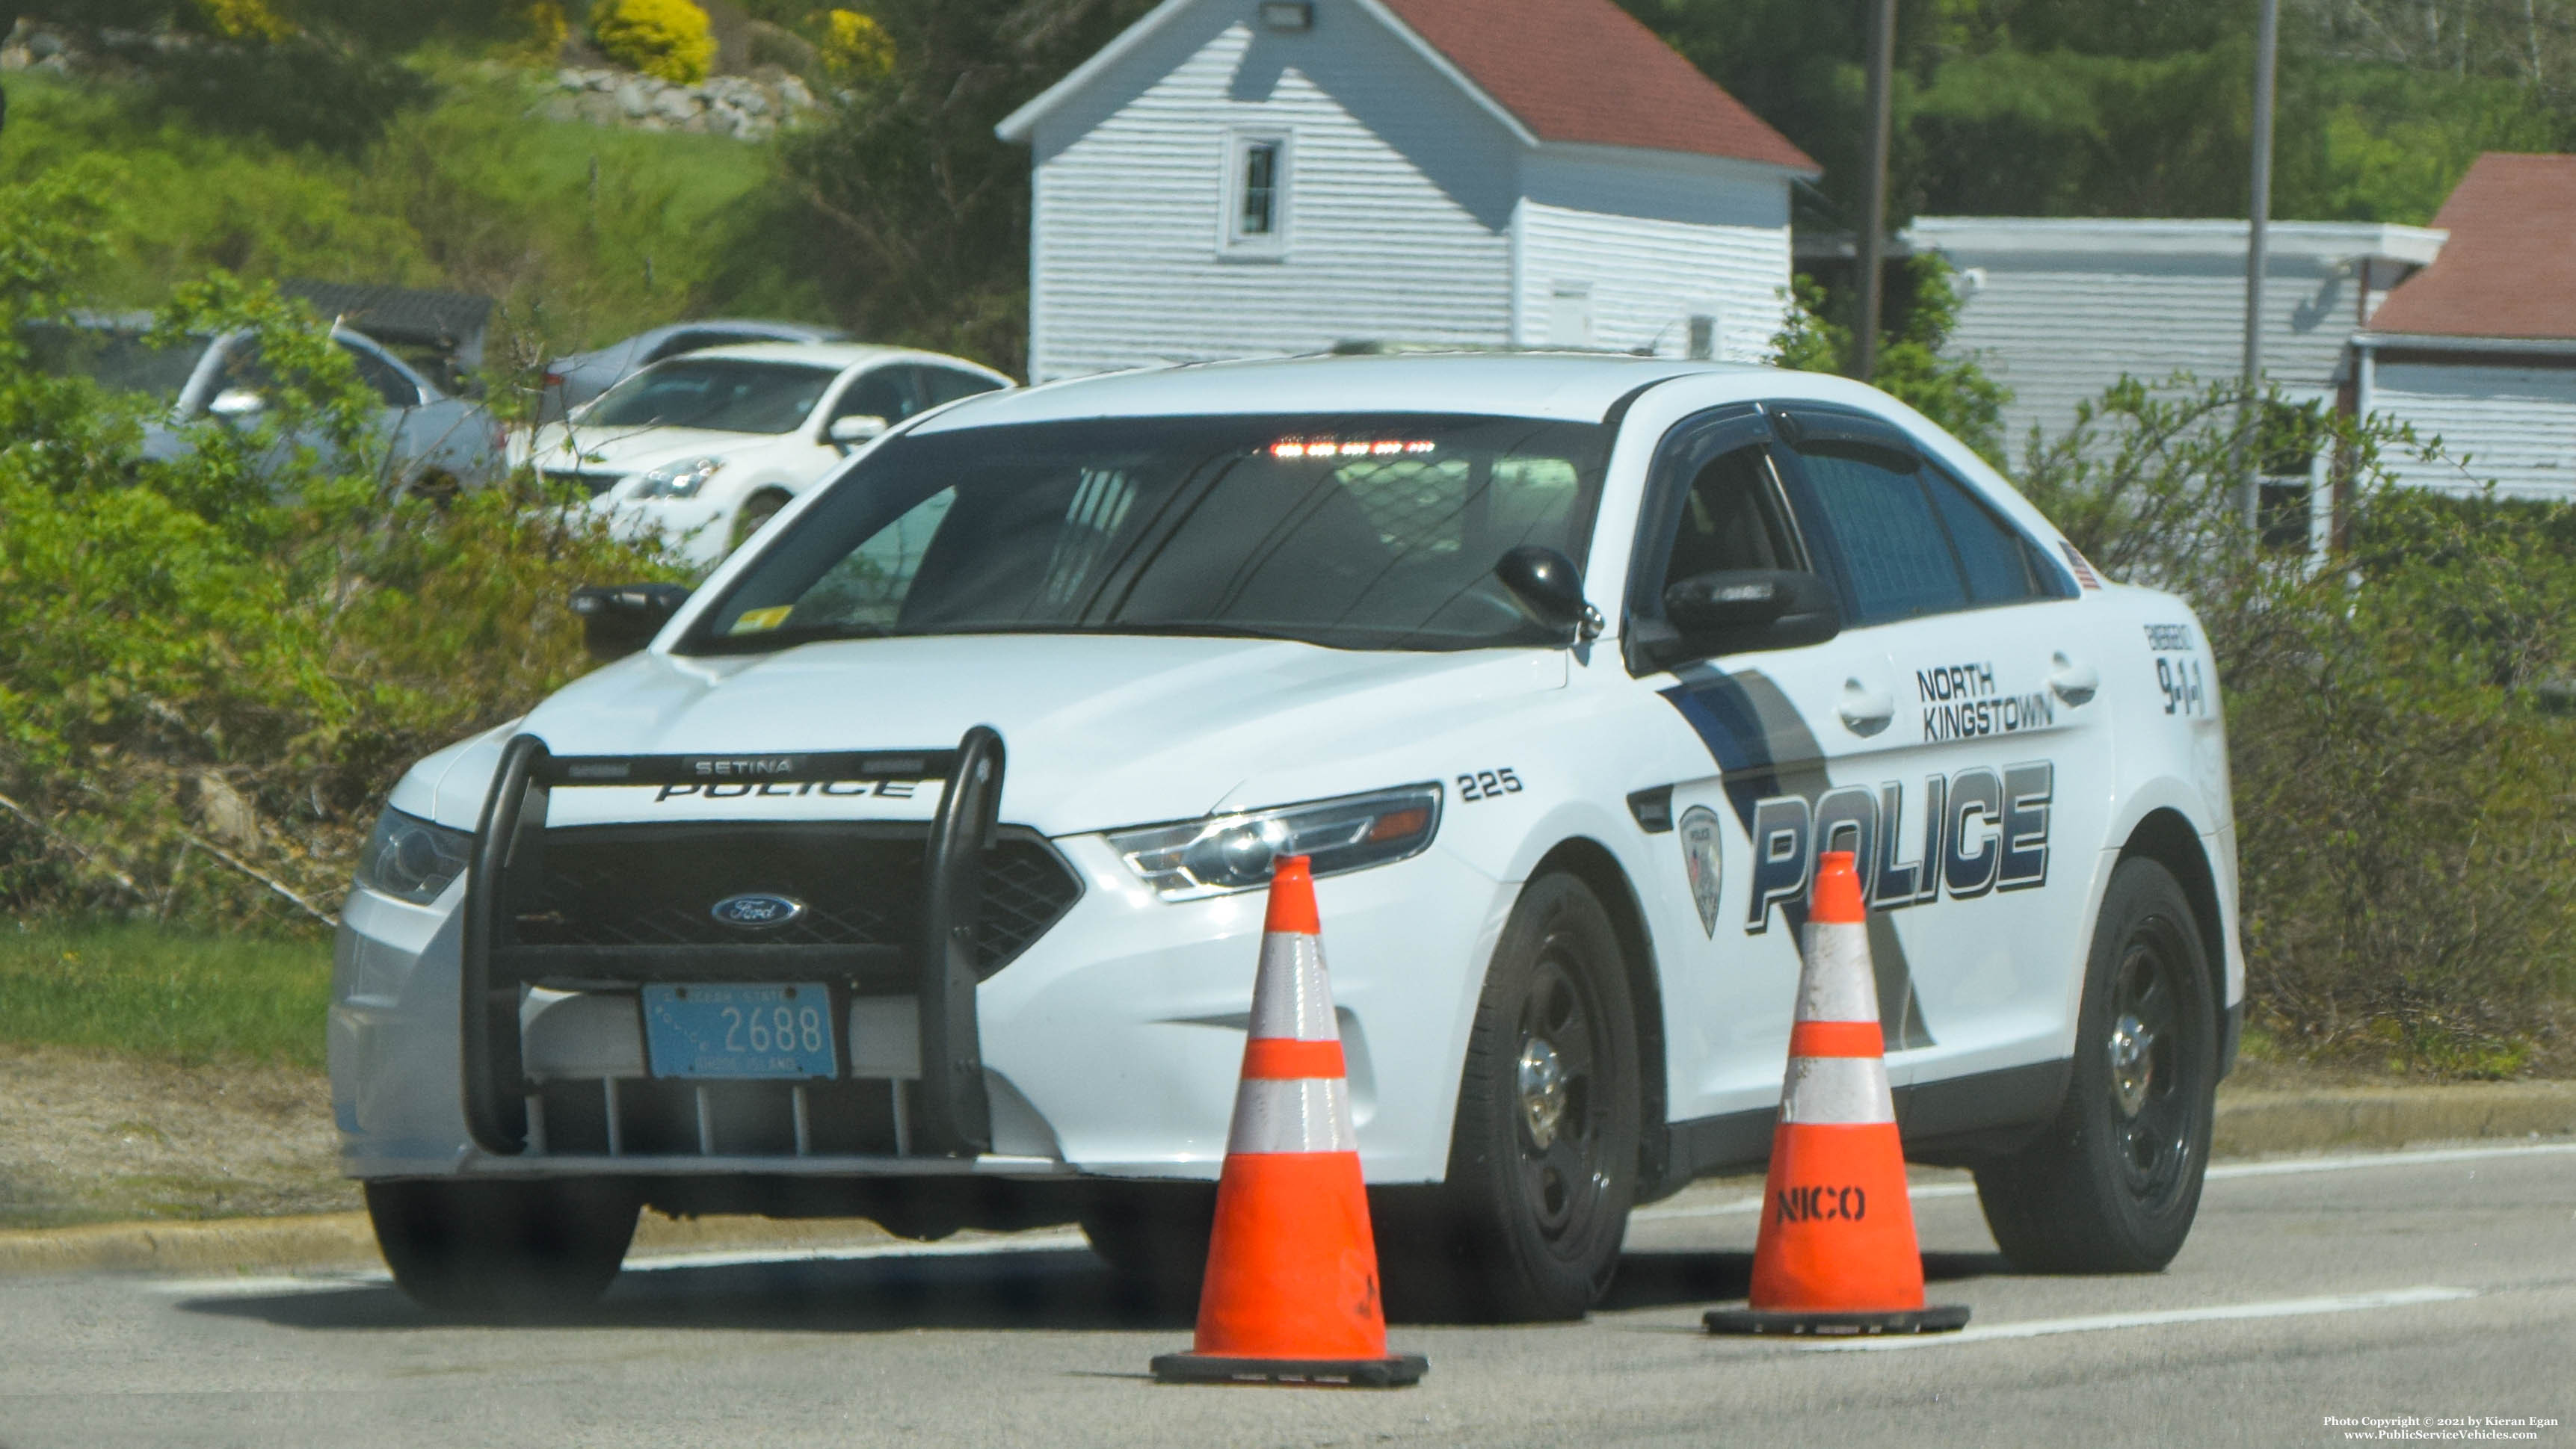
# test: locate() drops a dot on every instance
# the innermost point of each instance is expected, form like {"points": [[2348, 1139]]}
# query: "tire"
{"points": [[1154, 1238], [1543, 1157], [2112, 1184], [756, 511], [504, 1248]]}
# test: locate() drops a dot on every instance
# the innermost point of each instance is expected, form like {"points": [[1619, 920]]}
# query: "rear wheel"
{"points": [[2113, 1184], [503, 1247], [1543, 1159]]}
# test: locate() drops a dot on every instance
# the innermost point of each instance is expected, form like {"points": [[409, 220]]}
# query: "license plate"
{"points": [[740, 1031]]}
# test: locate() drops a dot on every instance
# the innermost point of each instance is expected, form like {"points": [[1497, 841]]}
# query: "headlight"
{"points": [[410, 859], [679, 480], [1233, 852]]}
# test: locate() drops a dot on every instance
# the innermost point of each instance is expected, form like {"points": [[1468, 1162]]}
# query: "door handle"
{"points": [[1865, 711], [2074, 683]]}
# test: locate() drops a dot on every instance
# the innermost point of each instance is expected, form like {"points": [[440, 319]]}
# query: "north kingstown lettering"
{"points": [[1954, 681], [1975, 718]]}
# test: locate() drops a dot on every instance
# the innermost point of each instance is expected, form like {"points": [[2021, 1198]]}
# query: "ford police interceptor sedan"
{"points": [[915, 869]]}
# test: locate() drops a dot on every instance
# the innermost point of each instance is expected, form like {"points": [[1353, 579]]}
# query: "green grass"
{"points": [[162, 994]]}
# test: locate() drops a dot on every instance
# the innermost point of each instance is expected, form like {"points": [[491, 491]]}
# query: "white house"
{"points": [[2479, 349], [2060, 309], [1242, 177]]}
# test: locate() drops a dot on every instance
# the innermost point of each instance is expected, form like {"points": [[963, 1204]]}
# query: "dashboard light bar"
{"points": [[1352, 447]]}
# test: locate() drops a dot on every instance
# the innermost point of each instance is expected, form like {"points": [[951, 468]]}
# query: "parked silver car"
{"points": [[572, 381], [433, 441]]}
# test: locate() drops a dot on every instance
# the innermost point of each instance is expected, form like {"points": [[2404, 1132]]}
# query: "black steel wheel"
{"points": [[1543, 1159], [2113, 1184], [510, 1249]]}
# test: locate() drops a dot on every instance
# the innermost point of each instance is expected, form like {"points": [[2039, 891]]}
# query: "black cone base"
{"points": [[1392, 1372], [1939, 1318]]}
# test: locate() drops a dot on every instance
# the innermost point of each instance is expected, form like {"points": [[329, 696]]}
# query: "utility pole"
{"points": [[2249, 487], [1873, 208]]}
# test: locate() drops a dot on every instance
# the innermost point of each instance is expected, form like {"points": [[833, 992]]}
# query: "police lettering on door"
{"points": [[1983, 830]]}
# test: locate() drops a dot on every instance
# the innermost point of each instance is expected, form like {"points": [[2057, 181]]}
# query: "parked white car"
{"points": [[913, 867], [704, 448]]}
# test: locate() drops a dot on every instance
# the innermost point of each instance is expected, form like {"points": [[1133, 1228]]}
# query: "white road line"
{"points": [[2222, 1172], [1052, 1240], [2043, 1327]]}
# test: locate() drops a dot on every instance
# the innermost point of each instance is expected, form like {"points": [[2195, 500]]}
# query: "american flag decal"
{"points": [[2083, 571]]}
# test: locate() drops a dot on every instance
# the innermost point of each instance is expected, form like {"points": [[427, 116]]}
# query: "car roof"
{"points": [[826, 354], [819, 331], [1574, 386]]}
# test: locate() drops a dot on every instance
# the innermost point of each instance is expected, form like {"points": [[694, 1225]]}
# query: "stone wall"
{"points": [[745, 107]]}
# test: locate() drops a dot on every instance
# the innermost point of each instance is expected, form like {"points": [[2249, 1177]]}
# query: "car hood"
{"points": [[1099, 731], [636, 450]]}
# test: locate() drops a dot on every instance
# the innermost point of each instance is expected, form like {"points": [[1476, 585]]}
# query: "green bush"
{"points": [[670, 39], [217, 666], [2406, 830]]}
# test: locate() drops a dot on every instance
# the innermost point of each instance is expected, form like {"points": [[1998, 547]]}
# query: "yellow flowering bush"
{"points": [[244, 19], [856, 47], [667, 39]]}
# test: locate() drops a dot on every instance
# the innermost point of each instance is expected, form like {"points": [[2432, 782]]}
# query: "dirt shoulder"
{"points": [[92, 1136]]}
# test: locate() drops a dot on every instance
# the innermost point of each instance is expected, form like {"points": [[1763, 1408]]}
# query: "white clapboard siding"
{"points": [[2059, 309], [2513, 426], [1654, 238], [2061, 335], [1382, 242]]}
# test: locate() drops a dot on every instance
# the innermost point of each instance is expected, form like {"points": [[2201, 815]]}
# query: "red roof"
{"points": [[2509, 269], [1586, 70]]}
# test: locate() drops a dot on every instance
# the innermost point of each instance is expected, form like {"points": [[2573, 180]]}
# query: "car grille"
{"points": [[861, 884], [590, 483]]}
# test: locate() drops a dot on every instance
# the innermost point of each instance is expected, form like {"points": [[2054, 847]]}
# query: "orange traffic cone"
{"points": [[1837, 1252], [1291, 1291]]}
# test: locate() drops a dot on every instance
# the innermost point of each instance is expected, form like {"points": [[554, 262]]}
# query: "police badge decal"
{"points": [[1698, 832]]}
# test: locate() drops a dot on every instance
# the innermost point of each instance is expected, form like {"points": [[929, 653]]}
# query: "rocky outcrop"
{"points": [[746, 108]]}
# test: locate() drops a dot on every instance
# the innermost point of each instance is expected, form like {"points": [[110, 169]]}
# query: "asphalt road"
{"points": [[2427, 1284]]}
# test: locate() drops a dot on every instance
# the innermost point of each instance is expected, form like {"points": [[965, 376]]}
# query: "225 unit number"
{"points": [[1488, 785]]}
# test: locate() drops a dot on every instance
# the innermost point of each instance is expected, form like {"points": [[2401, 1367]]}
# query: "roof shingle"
{"points": [[1587, 71], [2509, 269]]}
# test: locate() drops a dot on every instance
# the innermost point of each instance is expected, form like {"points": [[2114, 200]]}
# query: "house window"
{"points": [[1256, 213]]}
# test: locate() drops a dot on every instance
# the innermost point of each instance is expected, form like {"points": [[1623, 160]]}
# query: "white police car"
{"points": [[914, 869]]}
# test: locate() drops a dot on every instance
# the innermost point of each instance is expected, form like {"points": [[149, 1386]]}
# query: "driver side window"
{"points": [[1732, 517]]}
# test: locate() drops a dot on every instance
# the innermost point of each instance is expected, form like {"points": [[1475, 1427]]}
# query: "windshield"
{"points": [[1372, 531], [114, 358], [721, 393]]}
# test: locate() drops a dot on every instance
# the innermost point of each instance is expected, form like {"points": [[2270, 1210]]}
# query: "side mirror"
{"points": [[849, 432], [236, 402], [1549, 589], [619, 619], [1737, 611]]}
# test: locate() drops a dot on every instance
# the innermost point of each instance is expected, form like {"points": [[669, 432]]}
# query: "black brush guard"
{"points": [[953, 1118]]}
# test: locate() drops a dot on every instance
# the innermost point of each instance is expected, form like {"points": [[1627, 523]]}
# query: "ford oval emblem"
{"points": [[757, 911]]}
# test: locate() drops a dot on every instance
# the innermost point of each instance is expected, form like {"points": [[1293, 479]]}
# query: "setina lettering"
{"points": [[1984, 830], [736, 769], [1821, 1204], [1960, 702]]}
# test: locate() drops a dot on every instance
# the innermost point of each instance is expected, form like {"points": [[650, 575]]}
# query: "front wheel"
{"points": [[2113, 1184], [754, 515], [1543, 1159], [509, 1248]]}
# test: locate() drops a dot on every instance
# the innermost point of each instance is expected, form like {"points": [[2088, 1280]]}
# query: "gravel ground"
{"points": [[89, 1136]]}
